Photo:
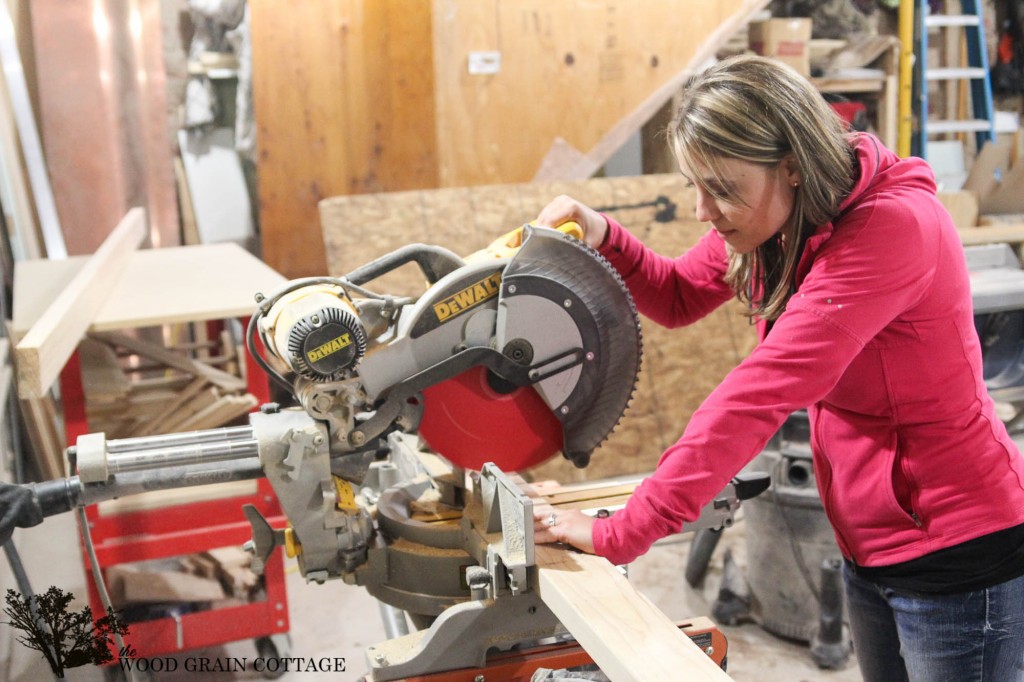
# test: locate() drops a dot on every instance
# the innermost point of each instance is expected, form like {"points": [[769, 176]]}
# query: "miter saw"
{"points": [[393, 468]]}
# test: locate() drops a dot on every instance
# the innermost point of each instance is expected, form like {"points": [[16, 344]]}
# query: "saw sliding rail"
{"points": [[138, 465]]}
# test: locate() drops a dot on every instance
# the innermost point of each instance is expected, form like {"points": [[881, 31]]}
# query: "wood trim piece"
{"points": [[48, 344]]}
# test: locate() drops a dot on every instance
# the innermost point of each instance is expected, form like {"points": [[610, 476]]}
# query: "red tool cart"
{"points": [[181, 529], [163, 286]]}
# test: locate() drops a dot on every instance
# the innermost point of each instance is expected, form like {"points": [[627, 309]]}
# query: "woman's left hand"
{"points": [[570, 526]]}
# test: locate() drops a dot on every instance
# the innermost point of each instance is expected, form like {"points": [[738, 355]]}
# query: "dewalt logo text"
{"points": [[332, 346], [471, 296]]}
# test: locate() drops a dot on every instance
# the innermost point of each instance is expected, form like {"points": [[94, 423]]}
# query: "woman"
{"points": [[857, 278]]}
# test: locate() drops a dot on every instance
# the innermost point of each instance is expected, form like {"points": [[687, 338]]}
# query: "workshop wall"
{"points": [[680, 367], [355, 96]]}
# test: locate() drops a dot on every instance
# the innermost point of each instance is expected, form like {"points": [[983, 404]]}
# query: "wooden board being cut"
{"points": [[628, 637], [680, 367]]}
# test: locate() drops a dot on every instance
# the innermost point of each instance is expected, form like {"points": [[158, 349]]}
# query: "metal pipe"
{"points": [[175, 439], [197, 453]]}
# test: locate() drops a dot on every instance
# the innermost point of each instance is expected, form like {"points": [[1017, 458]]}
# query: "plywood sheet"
{"points": [[680, 367], [343, 102], [381, 97]]}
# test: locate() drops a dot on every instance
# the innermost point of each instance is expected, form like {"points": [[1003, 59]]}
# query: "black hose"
{"points": [[702, 546]]}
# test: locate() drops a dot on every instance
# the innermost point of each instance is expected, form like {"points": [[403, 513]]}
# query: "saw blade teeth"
{"points": [[602, 291]]}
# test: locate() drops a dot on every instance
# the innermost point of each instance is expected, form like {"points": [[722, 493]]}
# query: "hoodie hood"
{"points": [[880, 168]]}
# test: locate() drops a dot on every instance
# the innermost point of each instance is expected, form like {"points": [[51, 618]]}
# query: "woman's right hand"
{"points": [[564, 209]]}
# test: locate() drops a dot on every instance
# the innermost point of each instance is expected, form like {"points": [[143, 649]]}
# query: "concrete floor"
{"points": [[340, 620]]}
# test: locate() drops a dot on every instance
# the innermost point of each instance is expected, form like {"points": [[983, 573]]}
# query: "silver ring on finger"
{"points": [[551, 519]]}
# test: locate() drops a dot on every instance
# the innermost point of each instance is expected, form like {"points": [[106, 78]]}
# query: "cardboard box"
{"points": [[787, 40]]}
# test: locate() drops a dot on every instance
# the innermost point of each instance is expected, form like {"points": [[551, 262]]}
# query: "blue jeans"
{"points": [[909, 637]]}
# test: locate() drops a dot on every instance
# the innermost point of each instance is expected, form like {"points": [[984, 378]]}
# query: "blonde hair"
{"points": [[761, 111]]}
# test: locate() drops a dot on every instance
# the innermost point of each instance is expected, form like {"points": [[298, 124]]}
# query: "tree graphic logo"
{"points": [[67, 639]]}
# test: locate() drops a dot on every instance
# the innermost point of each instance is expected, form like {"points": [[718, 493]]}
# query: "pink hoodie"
{"points": [[879, 342]]}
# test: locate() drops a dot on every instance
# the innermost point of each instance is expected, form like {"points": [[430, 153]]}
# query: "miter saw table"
{"points": [[525, 349]]}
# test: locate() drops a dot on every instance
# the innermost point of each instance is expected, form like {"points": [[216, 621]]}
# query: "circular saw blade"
{"points": [[584, 287], [469, 423]]}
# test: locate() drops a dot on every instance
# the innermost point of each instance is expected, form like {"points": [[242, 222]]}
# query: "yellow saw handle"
{"points": [[506, 245]]}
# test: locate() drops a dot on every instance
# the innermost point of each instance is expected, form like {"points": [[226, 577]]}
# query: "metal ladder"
{"points": [[976, 73]]}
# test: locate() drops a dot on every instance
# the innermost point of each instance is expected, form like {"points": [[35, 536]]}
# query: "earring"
{"points": [[796, 183]]}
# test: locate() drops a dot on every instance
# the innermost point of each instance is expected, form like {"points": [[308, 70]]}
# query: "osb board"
{"points": [[680, 367], [355, 96]]}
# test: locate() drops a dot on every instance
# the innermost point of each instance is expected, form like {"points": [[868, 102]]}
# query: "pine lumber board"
{"points": [[166, 380], [221, 412], [202, 401], [627, 636], [102, 377], [1001, 219], [40, 415], [962, 207], [44, 350], [155, 423], [40, 422], [168, 586]]}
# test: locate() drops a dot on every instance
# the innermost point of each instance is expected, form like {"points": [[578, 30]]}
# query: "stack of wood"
{"points": [[136, 387], [217, 578]]}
